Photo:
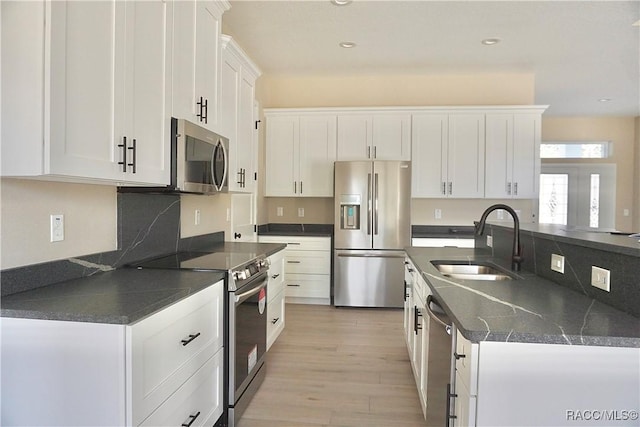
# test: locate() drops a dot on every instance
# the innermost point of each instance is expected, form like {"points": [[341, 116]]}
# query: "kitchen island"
{"points": [[526, 351]]}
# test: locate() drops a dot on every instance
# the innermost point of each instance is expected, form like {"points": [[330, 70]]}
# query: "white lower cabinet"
{"points": [[517, 384], [307, 268], [275, 291], [164, 369]]}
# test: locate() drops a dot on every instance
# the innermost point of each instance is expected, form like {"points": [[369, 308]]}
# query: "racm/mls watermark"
{"points": [[601, 414]]}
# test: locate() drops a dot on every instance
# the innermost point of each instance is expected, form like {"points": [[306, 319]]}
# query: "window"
{"points": [[575, 150]]}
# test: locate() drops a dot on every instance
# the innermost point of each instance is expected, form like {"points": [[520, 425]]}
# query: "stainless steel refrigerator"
{"points": [[372, 228]]}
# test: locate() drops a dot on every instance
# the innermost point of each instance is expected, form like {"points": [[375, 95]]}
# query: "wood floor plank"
{"points": [[337, 367]]}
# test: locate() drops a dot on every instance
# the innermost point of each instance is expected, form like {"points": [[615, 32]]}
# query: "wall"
{"points": [[392, 90], [619, 130], [89, 215], [91, 218]]}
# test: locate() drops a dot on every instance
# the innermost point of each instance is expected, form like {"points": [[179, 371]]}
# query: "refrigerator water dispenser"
{"points": [[350, 212]]}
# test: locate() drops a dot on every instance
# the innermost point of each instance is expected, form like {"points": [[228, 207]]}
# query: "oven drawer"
{"points": [[200, 397], [171, 345], [307, 285], [307, 262], [275, 316]]}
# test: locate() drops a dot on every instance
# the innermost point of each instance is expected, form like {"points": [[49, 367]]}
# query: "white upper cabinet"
{"points": [[237, 120], [87, 90], [448, 155], [196, 61], [378, 136], [513, 155], [301, 150]]}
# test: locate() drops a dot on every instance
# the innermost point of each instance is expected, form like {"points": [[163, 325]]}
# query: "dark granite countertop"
{"points": [[311, 230], [443, 231], [529, 309], [603, 240], [250, 248], [121, 296]]}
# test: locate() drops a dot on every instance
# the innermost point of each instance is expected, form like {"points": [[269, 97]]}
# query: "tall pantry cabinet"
{"points": [[86, 90]]}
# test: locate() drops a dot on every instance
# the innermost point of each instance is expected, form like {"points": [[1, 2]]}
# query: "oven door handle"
{"points": [[252, 291]]}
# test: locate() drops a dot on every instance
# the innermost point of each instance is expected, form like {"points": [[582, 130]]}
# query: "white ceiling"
{"points": [[579, 51]]}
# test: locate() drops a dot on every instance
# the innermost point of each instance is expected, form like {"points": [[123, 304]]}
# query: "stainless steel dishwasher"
{"points": [[439, 364]]}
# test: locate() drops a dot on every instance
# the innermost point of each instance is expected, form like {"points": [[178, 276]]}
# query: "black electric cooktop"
{"points": [[200, 261]]}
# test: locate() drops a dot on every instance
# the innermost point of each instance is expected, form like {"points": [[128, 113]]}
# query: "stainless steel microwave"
{"points": [[199, 159]]}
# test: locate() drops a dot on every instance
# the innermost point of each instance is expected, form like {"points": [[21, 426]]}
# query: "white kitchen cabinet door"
{"points": [[466, 156], [243, 218], [282, 145], [391, 136], [380, 136], [317, 155], [237, 99], [355, 137], [146, 110], [429, 155], [512, 155], [208, 28]]}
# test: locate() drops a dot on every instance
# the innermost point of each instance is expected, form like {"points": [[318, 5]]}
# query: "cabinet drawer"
{"points": [[171, 345], [307, 285], [300, 243], [467, 366], [275, 318], [307, 262], [200, 395], [276, 274]]}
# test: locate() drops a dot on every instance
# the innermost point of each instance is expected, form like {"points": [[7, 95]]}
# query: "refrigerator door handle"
{"points": [[369, 204], [375, 208]]}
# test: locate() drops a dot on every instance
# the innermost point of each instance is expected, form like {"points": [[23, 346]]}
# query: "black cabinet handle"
{"points": [[448, 415], [124, 154], [293, 262], [275, 276], [191, 338], [193, 418], [300, 187], [134, 157], [206, 110], [294, 286], [416, 315], [405, 291], [237, 235], [274, 321], [459, 356]]}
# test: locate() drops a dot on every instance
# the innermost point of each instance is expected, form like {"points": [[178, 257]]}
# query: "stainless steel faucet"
{"points": [[516, 256]]}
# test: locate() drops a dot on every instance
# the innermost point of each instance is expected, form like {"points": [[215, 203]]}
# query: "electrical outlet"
{"points": [[490, 241], [279, 211], [438, 214], [300, 212], [196, 218], [57, 227], [557, 263], [600, 278], [625, 212]]}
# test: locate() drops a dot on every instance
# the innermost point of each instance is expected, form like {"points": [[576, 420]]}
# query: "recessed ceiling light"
{"points": [[604, 100], [636, 24], [490, 42], [341, 2], [347, 45]]}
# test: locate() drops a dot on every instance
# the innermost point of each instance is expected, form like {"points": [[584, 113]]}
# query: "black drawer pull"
{"points": [[193, 418], [274, 321], [294, 286], [275, 276], [294, 262], [459, 356], [191, 338]]}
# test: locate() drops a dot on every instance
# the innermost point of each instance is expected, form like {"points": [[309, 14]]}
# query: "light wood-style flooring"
{"points": [[337, 367]]}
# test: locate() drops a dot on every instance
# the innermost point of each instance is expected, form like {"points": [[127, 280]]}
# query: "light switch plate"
{"points": [[279, 211], [490, 241], [601, 278], [300, 212], [557, 263], [196, 218]]}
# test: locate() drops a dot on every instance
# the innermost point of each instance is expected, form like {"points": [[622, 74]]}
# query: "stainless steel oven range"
{"points": [[245, 338]]}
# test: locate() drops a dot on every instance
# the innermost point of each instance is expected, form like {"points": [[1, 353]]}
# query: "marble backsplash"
{"points": [[537, 250], [148, 226]]}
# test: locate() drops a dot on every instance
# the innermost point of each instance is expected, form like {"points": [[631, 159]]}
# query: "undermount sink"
{"points": [[471, 271]]}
